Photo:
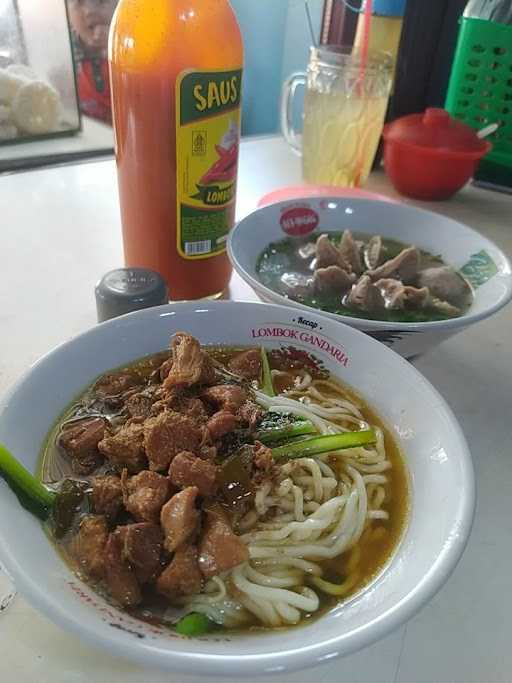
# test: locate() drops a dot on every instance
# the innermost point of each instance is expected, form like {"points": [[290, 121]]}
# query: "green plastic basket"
{"points": [[480, 88]]}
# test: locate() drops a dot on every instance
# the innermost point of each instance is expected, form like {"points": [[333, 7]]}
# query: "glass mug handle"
{"points": [[287, 97]]}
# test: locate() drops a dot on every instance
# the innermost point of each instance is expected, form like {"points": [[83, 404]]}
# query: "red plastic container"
{"points": [[431, 155]]}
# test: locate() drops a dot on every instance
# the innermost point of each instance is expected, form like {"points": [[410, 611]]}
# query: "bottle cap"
{"points": [[389, 8], [129, 289]]}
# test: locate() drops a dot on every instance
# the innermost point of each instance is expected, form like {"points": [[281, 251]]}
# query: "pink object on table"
{"points": [[283, 194]]}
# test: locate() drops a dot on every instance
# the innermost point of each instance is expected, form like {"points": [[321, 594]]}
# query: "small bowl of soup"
{"points": [[408, 277], [229, 489]]}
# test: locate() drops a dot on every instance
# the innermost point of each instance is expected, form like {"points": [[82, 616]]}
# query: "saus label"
{"points": [[207, 142]]}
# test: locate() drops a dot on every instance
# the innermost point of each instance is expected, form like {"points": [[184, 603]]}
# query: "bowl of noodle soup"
{"points": [[335, 545], [275, 250]]}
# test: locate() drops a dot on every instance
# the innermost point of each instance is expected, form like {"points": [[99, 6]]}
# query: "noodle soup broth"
{"points": [[316, 529]]}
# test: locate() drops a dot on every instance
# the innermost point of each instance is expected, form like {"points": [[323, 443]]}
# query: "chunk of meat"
{"points": [[159, 407], [87, 463], [373, 252], [169, 433], [247, 364], [142, 549], [140, 404], [220, 549], [392, 291], [328, 255], [350, 252], [332, 279], [182, 576], [188, 470], [195, 409], [397, 296], [113, 384], [83, 436], [107, 496], [80, 442], [403, 267], [191, 407], [165, 368], [145, 495], [366, 296], [444, 307], [89, 545], [207, 452], [264, 467], [220, 424], [250, 413], [445, 283], [416, 297], [191, 365], [125, 448], [262, 457], [179, 518], [119, 575], [228, 397]]}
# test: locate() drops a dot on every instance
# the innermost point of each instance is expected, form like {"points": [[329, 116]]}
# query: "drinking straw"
{"points": [[365, 40], [310, 24]]}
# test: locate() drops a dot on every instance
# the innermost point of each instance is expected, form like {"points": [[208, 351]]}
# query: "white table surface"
{"points": [[60, 231]]}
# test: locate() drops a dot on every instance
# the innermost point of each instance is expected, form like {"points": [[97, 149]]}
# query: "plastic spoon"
{"points": [[488, 130]]}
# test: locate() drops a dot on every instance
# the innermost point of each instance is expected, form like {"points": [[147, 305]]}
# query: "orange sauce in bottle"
{"points": [[176, 75]]}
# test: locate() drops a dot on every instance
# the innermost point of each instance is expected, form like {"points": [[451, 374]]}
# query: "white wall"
{"points": [[297, 38], [277, 41]]}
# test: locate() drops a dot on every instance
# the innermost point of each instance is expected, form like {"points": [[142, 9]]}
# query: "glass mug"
{"points": [[344, 108]]}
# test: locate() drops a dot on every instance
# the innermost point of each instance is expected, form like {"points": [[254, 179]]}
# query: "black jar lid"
{"points": [[129, 289]]}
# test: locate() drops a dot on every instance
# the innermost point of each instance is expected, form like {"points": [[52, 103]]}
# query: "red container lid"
{"points": [[437, 131]]}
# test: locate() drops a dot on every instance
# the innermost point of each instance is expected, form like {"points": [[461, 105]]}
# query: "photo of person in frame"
{"points": [[90, 23]]}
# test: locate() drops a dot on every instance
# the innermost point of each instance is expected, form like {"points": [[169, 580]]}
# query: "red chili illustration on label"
{"points": [[224, 169], [299, 221]]}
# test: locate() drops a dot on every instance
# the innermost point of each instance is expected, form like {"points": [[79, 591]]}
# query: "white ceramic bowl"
{"points": [[438, 460], [489, 269]]}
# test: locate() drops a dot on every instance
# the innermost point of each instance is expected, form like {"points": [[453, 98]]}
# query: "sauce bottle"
{"points": [[176, 70]]}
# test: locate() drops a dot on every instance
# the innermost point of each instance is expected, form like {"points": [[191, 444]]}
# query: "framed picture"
{"points": [[90, 22]]}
